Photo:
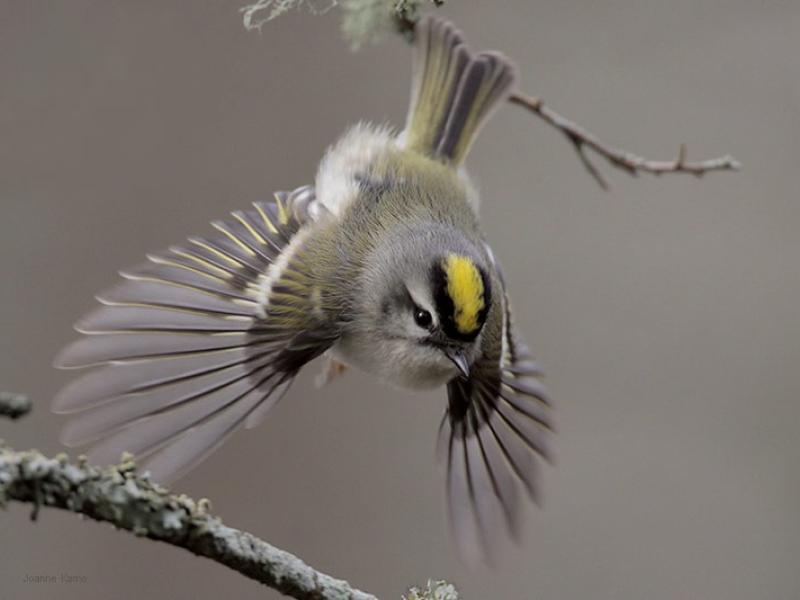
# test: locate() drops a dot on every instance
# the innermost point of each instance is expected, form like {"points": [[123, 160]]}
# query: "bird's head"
{"points": [[431, 312]]}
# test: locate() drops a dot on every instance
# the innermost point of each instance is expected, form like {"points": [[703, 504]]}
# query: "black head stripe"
{"points": [[446, 308]]}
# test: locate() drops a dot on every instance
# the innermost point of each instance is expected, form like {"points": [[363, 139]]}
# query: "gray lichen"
{"points": [[14, 405], [363, 21], [130, 501], [435, 590], [255, 15]]}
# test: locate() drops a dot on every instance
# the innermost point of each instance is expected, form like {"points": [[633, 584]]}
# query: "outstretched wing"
{"points": [[496, 428], [197, 341]]}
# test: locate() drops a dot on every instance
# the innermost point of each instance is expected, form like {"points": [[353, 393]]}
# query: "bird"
{"points": [[380, 265]]}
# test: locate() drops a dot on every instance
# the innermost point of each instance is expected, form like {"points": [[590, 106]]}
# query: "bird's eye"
{"points": [[422, 317]]}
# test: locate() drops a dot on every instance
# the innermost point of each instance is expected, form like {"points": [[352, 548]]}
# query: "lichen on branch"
{"points": [[435, 590], [130, 501], [365, 21], [256, 15]]}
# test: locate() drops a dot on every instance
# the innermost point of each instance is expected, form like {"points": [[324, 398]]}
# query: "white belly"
{"points": [[397, 362]]}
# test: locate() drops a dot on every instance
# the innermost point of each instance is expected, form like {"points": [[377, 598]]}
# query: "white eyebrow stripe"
{"points": [[421, 297]]}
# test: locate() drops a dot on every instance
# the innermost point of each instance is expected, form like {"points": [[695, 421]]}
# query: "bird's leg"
{"points": [[332, 369]]}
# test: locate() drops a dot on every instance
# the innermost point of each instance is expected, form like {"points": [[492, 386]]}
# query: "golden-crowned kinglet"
{"points": [[381, 264]]}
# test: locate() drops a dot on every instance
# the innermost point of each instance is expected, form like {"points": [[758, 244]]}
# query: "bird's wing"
{"points": [[196, 342], [496, 428]]}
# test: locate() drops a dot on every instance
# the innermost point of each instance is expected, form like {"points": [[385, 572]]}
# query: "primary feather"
{"points": [[188, 353]]}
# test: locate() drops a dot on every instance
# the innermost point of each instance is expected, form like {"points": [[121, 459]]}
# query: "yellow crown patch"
{"points": [[465, 288]]}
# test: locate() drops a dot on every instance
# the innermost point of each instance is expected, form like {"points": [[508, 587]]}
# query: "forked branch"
{"points": [[581, 139], [407, 12]]}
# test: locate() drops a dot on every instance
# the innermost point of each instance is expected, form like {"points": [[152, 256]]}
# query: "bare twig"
{"points": [[119, 496], [14, 405], [582, 139]]}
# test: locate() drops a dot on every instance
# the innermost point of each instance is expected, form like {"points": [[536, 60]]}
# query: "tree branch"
{"points": [[365, 20], [14, 405], [632, 164], [119, 496], [405, 16], [580, 138]]}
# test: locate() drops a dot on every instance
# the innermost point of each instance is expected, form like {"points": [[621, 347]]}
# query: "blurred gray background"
{"points": [[665, 311]]}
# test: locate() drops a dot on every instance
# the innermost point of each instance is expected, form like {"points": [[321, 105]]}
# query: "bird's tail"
{"points": [[453, 91]]}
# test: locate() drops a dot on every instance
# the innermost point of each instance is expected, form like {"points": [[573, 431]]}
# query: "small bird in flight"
{"points": [[381, 265]]}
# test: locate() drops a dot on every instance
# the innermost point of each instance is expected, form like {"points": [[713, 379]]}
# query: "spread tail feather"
{"points": [[453, 91]]}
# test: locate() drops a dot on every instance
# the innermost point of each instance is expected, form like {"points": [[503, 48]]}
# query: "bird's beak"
{"points": [[459, 359]]}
